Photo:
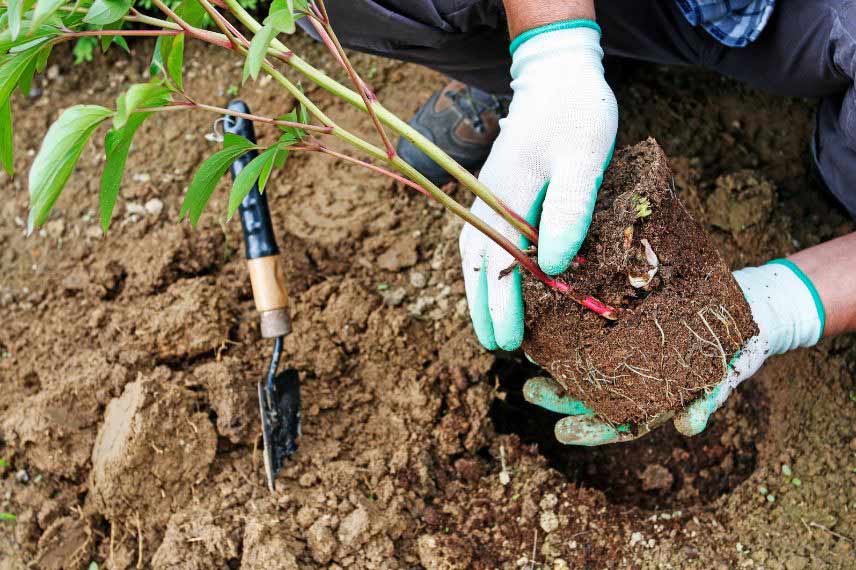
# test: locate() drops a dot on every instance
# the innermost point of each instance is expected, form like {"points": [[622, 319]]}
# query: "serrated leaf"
{"points": [[206, 178], [231, 139], [105, 12], [43, 11], [257, 52], [57, 156], [117, 143], [248, 177], [6, 139], [11, 71], [137, 97]]}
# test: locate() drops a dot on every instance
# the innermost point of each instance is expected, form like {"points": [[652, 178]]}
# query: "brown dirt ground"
{"points": [[128, 367]]}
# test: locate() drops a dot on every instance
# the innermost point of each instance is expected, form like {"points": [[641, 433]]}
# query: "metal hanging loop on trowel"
{"points": [[279, 393]]}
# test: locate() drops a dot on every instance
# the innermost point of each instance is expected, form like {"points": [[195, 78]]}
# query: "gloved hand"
{"points": [[552, 149], [789, 314]]}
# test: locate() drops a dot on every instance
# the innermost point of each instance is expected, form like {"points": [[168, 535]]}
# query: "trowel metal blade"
{"points": [[279, 405]]}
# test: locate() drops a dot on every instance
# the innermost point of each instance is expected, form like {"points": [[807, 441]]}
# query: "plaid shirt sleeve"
{"points": [[735, 23]]}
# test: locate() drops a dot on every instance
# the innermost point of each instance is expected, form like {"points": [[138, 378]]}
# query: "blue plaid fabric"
{"points": [[735, 23]]}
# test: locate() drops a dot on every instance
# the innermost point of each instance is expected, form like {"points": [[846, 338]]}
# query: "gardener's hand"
{"points": [[552, 150], [789, 314]]}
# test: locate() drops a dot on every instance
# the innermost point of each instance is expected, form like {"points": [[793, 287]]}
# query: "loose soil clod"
{"points": [[683, 315]]}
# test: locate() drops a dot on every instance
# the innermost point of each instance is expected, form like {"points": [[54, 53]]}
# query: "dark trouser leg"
{"points": [[466, 40]]}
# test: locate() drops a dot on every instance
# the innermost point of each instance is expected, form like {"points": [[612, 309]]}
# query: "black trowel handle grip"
{"points": [[255, 214], [263, 260]]}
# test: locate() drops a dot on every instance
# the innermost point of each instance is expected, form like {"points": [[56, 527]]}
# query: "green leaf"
{"points": [[8, 517], [205, 179], [83, 50], [15, 11], [11, 71], [156, 66], [281, 157], [303, 114], [57, 156], [248, 177], [192, 12], [26, 79], [281, 17], [117, 143], [3, 464], [44, 9], [175, 61], [42, 58], [169, 50], [7, 44], [257, 51], [107, 11], [106, 41], [139, 96], [267, 168], [6, 141], [93, 566], [120, 41]]}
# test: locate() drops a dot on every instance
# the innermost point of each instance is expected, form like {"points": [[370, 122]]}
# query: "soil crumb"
{"points": [[682, 316]]}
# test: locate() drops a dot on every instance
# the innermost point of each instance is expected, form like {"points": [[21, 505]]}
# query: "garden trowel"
{"points": [[279, 393]]}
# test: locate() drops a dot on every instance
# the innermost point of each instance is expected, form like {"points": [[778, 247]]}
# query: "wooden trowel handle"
{"points": [[263, 259]]}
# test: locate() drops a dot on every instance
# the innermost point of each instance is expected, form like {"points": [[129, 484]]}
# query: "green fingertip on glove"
{"points": [[558, 246], [544, 392], [481, 313], [508, 327], [505, 332], [693, 420], [587, 431]]}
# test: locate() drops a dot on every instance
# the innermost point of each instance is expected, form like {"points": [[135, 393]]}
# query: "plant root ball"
{"points": [[683, 315]]}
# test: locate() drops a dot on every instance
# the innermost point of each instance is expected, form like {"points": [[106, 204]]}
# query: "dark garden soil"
{"points": [[682, 314], [128, 365]]}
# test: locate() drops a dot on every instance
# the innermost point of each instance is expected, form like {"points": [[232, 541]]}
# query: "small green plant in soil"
{"points": [[30, 29]]}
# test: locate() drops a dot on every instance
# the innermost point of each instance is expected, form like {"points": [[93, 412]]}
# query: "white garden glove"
{"points": [[552, 149], [789, 314]]}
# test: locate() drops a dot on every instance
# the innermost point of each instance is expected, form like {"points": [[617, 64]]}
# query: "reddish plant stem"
{"points": [[397, 177], [220, 21], [586, 301], [128, 33], [366, 94], [530, 265], [204, 35], [190, 104]]}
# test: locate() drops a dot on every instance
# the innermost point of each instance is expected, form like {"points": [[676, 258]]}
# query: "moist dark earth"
{"points": [[128, 364]]}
